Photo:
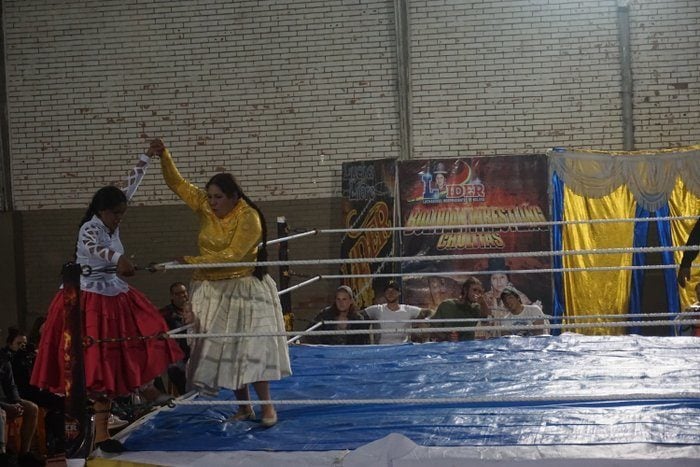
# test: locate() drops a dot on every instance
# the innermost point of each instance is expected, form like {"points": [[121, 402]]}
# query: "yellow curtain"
{"points": [[597, 292], [683, 203]]}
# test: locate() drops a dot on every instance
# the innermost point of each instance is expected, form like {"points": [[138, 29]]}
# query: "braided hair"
{"points": [[108, 197], [228, 185]]}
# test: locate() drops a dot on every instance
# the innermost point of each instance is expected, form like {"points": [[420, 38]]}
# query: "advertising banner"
{"points": [[444, 198], [368, 202]]}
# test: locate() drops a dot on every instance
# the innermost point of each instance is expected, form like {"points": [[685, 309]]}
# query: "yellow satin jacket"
{"points": [[235, 238]]}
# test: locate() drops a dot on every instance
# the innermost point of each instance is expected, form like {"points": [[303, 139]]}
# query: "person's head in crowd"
{"points": [[511, 300], [472, 290], [392, 292], [499, 279], [344, 300], [16, 339], [178, 295]]}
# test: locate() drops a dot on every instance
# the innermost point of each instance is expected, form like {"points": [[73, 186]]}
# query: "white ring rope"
{"points": [[299, 285], [181, 328], [461, 400], [474, 320], [505, 271], [609, 324], [398, 259], [290, 237], [506, 225], [315, 326]]}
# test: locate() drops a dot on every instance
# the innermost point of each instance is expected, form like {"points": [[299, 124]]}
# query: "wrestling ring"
{"points": [[545, 400]]}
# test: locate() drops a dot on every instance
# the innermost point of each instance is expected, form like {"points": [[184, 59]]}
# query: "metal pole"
{"points": [[403, 64], [284, 273], [626, 83]]}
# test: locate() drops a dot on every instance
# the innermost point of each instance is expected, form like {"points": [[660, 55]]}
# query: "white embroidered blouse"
{"points": [[99, 249]]}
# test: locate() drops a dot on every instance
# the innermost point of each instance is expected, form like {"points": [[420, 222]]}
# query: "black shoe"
{"points": [[30, 460], [111, 446]]}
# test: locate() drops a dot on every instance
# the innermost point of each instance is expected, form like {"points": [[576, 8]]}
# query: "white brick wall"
{"points": [[666, 59], [524, 76], [282, 92], [259, 88]]}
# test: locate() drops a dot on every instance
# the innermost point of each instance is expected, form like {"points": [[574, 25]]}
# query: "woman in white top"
{"points": [[112, 309]]}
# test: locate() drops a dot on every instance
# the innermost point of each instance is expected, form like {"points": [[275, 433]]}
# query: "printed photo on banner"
{"points": [[443, 198]]}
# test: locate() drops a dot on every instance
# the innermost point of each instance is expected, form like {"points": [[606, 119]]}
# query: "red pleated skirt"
{"points": [[111, 368]]}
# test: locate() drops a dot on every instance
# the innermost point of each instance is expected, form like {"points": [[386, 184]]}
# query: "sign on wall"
{"points": [[441, 199], [368, 202]]}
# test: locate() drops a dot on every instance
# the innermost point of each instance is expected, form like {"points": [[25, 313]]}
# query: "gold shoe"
{"points": [[242, 415], [267, 422]]}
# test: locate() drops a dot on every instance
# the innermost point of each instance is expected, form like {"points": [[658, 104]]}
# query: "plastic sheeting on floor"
{"points": [[617, 367]]}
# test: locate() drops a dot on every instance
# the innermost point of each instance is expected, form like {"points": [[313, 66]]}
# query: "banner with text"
{"points": [[446, 196], [368, 202]]}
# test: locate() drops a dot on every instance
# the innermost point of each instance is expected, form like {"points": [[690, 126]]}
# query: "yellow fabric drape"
{"points": [[683, 203], [597, 292]]}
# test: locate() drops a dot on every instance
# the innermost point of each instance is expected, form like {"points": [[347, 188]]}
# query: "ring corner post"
{"points": [[285, 274], [78, 426]]}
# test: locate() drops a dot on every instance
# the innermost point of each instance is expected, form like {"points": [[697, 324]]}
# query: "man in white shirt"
{"points": [[522, 315], [392, 310]]}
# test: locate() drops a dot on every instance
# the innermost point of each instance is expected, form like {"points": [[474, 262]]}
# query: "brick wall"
{"points": [[495, 77], [279, 92], [666, 62]]}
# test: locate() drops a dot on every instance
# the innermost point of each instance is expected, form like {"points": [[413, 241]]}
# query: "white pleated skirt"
{"points": [[245, 304]]}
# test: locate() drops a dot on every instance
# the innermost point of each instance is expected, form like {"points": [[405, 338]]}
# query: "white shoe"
{"points": [[115, 422]]}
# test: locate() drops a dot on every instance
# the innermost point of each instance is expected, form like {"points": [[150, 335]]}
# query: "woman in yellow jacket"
{"points": [[230, 300]]}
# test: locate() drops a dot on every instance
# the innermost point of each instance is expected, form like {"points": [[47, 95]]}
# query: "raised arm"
{"points": [[189, 193], [133, 180]]}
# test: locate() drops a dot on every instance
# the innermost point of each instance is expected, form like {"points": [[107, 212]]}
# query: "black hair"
{"points": [[228, 185], [108, 197], [176, 284], [12, 333]]}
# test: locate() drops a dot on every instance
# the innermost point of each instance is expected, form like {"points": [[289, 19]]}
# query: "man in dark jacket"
{"points": [[14, 407], [178, 314]]}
